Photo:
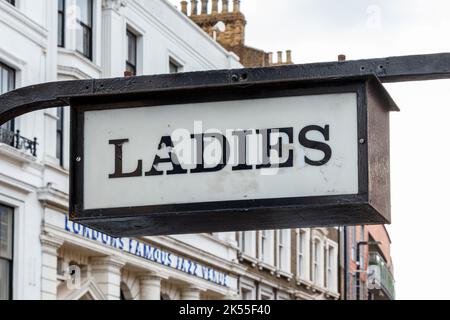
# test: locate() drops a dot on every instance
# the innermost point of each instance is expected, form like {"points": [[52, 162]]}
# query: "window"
{"points": [[61, 22], [247, 242], [266, 246], [331, 268], [6, 252], [243, 241], [283, 239], [174, 67], [7, 83], [131, 52], [246, 294], [84, 29], [60, 135], [266, 293], [316, 262], [12, 2], [263, 243], [301, 251]]}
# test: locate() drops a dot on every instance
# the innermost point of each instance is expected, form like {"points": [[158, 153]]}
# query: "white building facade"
{"points": [[45, 256]]}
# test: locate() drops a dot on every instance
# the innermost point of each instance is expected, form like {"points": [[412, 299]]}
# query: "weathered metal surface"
{"points": [[391, 69], [369, 206], [41, 96]]}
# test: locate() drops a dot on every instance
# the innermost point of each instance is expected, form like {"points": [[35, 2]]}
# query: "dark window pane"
{"points": [[60, 135], [84, 41], [6, 230], [173, 67], [61, 22], [4, 80], [7, 83], [13, 2], [5, 278], [132, 43], [131, 52], [84, 30], [6, 251], [60, 30]]}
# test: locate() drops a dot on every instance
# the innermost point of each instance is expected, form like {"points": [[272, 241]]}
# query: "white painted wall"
{"points": [[28, 44]]}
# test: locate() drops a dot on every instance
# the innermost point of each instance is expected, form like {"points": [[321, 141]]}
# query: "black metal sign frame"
{"points": [[240, 214], [59, 94], [161, 88]]}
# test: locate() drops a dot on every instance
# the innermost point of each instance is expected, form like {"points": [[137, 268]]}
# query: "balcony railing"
{"points": [[14, 139], [382, 276]]}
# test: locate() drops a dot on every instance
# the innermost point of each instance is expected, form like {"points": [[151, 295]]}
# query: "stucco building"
{"points": [[43, 255]]}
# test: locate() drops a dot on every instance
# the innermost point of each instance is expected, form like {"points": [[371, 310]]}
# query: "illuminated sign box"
{"points": [[268, 155]]}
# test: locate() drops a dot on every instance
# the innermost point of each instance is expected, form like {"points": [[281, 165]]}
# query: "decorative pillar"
{"points": [[215, 6], [225, 6], [236, 5], [194, 4], [150, 284], [107, 275], [184, 4], [113, 38], [190, 293], [49, 276]]}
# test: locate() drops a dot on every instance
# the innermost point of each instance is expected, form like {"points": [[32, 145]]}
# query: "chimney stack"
{"points": [[215, 6], [270, 57], [184, 5], [280, 57], [224, 6], [204, 6], [288, 56], [236, 5], [342, 57], [194, 4]]}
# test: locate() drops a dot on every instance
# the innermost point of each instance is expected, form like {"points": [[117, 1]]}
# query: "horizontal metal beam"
{"points": [[391, 69]]}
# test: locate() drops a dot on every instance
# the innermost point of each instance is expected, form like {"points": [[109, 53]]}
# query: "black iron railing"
{"points": [[14, 139]]}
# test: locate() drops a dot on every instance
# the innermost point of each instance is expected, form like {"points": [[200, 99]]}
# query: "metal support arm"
{"points": [[55, 94]]}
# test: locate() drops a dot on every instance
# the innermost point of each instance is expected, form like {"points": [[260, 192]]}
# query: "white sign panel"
{"points": [[269, 148]]}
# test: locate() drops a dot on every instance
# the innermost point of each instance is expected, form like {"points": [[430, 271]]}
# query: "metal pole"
{"points": [[345, 263]]}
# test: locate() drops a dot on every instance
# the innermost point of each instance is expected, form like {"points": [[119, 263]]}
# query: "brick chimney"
{"points": [[233, 38], [194, 4], [215, 7], [234, 20], [184, 5], [204, 6]]}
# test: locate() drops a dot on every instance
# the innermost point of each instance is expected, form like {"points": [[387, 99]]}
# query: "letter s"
{"points": [[325, 148]]}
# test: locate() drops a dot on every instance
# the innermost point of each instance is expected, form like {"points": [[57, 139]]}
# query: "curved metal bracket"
{"points": [[56, 94]]}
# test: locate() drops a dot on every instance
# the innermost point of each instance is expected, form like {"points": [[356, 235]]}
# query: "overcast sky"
{"points": [[319, 30]]}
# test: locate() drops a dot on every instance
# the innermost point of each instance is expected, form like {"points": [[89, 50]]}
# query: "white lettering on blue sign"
{"points": [[148, 252]]}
